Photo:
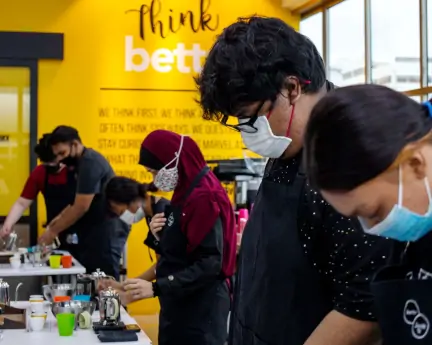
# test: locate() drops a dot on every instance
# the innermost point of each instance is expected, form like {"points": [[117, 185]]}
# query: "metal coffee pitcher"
{"points": [[109, 307], [4, 293], [87, 283], [11, 242]]}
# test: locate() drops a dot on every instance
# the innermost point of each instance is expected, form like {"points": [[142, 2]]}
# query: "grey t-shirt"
{"points": [[94, 171]]}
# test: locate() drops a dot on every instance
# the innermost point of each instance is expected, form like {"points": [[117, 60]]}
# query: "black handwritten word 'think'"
{"points": [[150, 15]]}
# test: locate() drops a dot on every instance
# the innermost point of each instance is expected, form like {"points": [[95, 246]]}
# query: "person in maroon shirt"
{"points": [[55, 181]]}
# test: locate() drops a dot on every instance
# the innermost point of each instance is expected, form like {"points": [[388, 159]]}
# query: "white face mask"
{"points": [[167, 178], [131, 218], [263, 141]]}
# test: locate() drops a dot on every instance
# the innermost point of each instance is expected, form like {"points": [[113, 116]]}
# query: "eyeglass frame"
{"points": [[252, 118], [249, 124]]}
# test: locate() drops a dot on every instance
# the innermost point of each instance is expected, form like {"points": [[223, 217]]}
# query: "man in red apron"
{"points": [[56, 182]]}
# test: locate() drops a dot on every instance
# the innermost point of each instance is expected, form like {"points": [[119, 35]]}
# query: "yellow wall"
{"points": [[95, 38], [14, 133]]}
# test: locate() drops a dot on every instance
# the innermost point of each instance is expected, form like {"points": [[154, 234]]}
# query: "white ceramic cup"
{"points": [[37, 307], [36, 297], [15, 263], [37, 321]]}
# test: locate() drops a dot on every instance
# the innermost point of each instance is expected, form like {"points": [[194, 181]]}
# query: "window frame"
{"points": [[324, 7]]}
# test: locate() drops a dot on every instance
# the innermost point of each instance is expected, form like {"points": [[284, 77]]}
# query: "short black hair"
{"points": [[250, 61], [64, 134], [124, 190], [356, 133], [43, 149]]}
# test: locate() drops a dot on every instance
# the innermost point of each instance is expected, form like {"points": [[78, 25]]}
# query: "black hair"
{"points": [[43, 149], [64, 134], [149, 160], [250, 61], [125, 190], [356, 132]]}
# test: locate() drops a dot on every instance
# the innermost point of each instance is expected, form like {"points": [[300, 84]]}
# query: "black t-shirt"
{"points": [[347, 258]]}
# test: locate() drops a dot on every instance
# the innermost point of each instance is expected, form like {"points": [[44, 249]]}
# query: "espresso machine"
{"points": [[246, 175]]}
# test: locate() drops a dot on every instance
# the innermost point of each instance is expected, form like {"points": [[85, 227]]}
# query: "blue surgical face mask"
{"points": [[402, 224]]}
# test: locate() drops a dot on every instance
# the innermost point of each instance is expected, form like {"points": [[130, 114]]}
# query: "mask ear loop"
{"points": [[428, 191], [400, 188], [403, 257], [177, 155], [306, 82], [179, 151], [290, 121]]}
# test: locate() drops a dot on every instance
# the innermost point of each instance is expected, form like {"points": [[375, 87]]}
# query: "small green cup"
{"points": [[65, 324], [55, 261]]}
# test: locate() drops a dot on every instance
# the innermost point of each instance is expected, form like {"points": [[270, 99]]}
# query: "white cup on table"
{"points": [[36, 298], [37, 307], [37, 321], [15, 263]]}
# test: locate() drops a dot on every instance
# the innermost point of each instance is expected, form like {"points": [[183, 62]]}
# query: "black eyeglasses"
{"points": [[245, 127]]}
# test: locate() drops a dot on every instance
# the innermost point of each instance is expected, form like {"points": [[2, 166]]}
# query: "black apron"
{"points": [[57, 198], [198, 318], [101, 244], [403, 299], [279, 298], [151, 241]]}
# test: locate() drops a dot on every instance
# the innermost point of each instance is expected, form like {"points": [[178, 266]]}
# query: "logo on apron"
{"points": [[171, 219], [413, 317], [422, 275]]}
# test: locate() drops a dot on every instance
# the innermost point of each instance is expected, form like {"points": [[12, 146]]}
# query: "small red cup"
{"points": [[66, 261], [61, 299]]}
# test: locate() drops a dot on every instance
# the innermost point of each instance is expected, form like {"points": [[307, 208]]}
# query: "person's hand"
{"points": [[138, 289], [239, 238], [106, 283], [47, 238], [5, 230], [125, 298], [157, 223]]}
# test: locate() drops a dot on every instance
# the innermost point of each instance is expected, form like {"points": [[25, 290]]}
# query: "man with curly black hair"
{"points": [[304, 270]]}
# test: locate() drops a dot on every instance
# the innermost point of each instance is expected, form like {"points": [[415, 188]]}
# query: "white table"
{"points": [[49, 335], [28, 270]]}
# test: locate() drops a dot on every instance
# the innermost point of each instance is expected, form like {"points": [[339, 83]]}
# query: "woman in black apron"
{"points": [[197, 244], [131, 202], [369, 151]]}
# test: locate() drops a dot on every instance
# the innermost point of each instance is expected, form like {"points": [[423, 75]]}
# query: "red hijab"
{"points": [[208, 200]]}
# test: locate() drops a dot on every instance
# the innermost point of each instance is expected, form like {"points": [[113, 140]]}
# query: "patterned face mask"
{"points": [[167, 178]]}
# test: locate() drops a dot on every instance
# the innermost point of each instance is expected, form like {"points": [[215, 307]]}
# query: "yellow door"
{"points": [[14, 133]]}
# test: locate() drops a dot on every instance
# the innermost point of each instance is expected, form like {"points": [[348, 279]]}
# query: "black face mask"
{"points": [[69, 161], [52, 169]]}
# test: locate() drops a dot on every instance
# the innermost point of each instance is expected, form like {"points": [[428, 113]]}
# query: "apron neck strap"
{"points": [[195, 181], [46, 177], [301, 170]]}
